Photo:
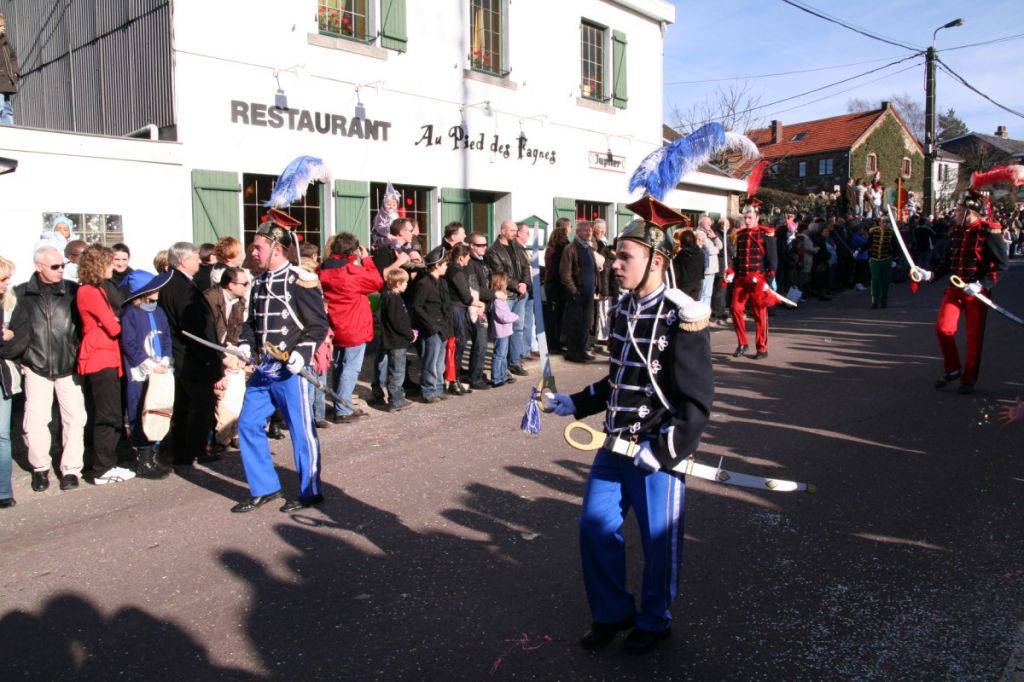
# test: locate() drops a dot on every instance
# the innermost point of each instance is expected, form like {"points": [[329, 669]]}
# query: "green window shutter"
{"points": [[392, 25], [565, 208], [456, 207], [216, 197], [623, 216], [352, 209], [619, 69]]}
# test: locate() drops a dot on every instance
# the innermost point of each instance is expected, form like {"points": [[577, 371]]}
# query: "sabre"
{"points": [[234, 352], [282, 355], [779, 296], [915, 272], [690, 467], [546, 385], [960, 284]]}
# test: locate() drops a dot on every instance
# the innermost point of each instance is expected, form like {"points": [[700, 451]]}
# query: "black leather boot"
{"points": [[149, 467]]}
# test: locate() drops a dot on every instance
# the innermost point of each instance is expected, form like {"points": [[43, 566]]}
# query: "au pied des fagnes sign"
{"points": [[459, 139]]}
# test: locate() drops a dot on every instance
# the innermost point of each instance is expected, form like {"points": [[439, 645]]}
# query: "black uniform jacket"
{"points": [[680, 364]]}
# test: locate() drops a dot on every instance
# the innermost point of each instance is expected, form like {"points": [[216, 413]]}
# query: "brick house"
{"points": [[815, 156]]}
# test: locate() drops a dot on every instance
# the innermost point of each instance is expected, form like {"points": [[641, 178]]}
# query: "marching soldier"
{"points": [[657, 399], [286, 312], [754, 263], [977, 254]]}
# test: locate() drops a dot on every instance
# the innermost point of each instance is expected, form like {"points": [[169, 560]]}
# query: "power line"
{"points": [[954, 74], [781, 73], [840, 22], [984, 42], [842, 92], [825, 87]]}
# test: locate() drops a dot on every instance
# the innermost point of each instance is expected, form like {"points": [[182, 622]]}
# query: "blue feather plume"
{"points": [[294, 181], [531, 418], [661, 170]]}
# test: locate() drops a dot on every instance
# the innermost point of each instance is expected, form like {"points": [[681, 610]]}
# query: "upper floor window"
{"points": [[872, 164], [799, 136], [905, 167], [592, 61], [488, 39], [824, 166], [346, 19]]}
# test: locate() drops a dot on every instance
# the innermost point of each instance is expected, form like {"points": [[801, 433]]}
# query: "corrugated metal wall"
{"points": [[93, 66]]}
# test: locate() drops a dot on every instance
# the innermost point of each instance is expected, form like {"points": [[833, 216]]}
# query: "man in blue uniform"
{"points": [[286, 311], [657, 399]]}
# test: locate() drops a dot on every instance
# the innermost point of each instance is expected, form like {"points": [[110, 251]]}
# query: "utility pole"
{"points": [[930, 143], [929, 131]]}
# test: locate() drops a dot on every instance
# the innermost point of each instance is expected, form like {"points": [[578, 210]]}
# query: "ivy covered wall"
{"points": [[889, 142]]}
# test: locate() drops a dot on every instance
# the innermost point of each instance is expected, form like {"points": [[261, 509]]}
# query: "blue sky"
{"points": [[726, 39]]}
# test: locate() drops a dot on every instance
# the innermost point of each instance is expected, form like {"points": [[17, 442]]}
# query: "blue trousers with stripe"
{"points": [[615, 486], [287, 393]]}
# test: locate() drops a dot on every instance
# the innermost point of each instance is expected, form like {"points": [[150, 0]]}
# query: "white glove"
{"points": [[645, 459], [246, 351], [295, 362], [973, 288], [926, 275], [729, 276], [562, 405]]}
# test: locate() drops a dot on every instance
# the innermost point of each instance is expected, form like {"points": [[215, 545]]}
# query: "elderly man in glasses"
{"points": [[46, 336]]}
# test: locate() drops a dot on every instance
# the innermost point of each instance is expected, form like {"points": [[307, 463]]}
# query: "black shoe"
{"points": [[947, 378], [455, 388], [301, 503], [874, 306], [253, 503], [68, 482], [761, 355], [430, 399], [7, 503], [208, 458], [322, 424], [274, 431], [499, 384], [643, 641], [740, 350], [885, 304], [517, 370], [575, 357], [40, 480], [217, 448], [479, 385], [601, 634], [399, 406], [588, 356], [965, 389]]}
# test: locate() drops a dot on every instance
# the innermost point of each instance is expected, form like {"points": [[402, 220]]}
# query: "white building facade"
{"points": [[476, 110]]}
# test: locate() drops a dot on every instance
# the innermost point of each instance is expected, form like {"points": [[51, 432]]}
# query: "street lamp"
{"points": [[929, 120]]}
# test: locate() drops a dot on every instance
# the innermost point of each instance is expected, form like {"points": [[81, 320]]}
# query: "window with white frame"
{"points": [[905, 167], [488, 36], [92, 228], [824, 166], [350, 19], [872, 164], [593, 83], [592, 210]]}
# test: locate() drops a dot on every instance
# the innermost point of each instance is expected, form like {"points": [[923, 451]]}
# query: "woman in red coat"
{"points": [[99, 361]]}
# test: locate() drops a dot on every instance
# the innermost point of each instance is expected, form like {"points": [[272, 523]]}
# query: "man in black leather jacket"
{"points": [[47, 332]]}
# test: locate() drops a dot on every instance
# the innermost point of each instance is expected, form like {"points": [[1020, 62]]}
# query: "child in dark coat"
{"points": [[396, 333]]}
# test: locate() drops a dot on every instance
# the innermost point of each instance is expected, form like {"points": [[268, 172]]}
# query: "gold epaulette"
{"points": [[695, 325]]}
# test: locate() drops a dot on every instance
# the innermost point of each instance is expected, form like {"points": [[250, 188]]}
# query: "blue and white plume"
{"points": [[294, 181], [662, 169]]}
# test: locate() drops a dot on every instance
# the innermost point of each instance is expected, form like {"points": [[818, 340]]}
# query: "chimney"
{"points": [[1001, 132], [886, 105], [776, 132]]}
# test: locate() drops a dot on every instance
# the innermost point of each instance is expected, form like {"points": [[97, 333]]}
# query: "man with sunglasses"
{"points": [[47, 331]]}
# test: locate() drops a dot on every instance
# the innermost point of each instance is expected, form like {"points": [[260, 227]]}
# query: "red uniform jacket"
{"points": [[755, 252], [100, 328], [346, 290], [977, 253]]}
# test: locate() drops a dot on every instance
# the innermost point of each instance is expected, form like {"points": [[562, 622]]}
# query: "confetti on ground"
{"points": [[522, 643]]}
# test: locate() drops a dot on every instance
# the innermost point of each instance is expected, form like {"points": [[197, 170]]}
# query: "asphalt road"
{"points": [[447, 549]]}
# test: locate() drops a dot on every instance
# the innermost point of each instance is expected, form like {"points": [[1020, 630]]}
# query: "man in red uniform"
{"points": [[977, 255], [754, 262]]}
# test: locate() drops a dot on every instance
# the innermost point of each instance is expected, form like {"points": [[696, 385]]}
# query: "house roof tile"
{"points": [[815, 137]]}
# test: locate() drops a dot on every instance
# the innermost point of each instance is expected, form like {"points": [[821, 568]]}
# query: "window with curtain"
{"points": [[486, 32], [256, 190], [592, 61], [345, 19]]}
